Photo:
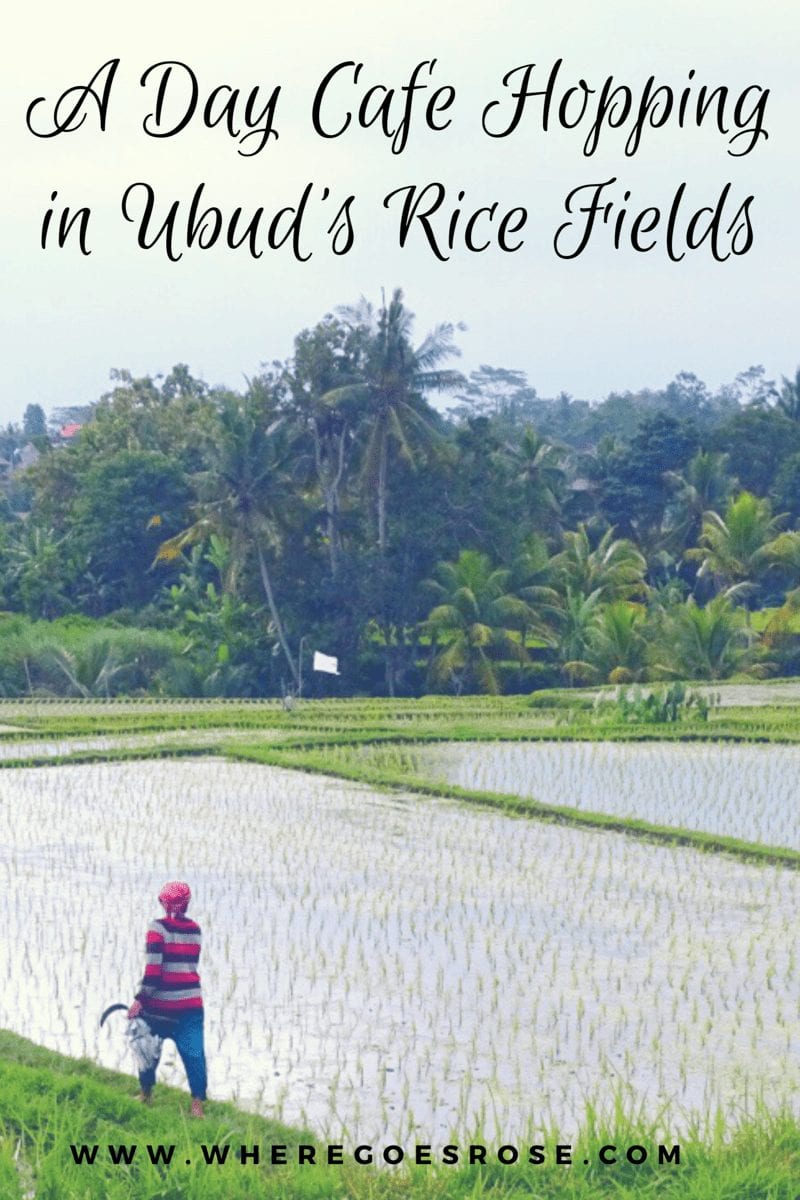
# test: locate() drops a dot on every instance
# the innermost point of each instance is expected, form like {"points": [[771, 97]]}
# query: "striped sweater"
{"points": [[171, 983]]}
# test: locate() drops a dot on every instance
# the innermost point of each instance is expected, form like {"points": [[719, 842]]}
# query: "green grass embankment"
{"points": [[49, 1103]]}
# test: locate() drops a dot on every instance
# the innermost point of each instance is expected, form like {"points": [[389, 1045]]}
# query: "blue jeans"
{"points": [[186, 1031]]}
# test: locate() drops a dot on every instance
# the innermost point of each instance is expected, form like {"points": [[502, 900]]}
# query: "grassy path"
{"points": [[49, 1103]]}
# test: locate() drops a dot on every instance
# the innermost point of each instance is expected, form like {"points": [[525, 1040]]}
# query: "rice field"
{"points": [[736, 695], [65, 746], [382, 966], [748, 792]]}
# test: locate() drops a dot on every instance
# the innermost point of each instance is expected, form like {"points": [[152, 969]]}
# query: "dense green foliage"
{"points": [[513, 542], [75, 656]]}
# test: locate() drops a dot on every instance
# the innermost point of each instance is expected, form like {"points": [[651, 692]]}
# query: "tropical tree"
{"points": [[230, 641], [396, 379], [129, 501], [573, 620], [617, 647], [784, 551], [758, 441], [498, 393], [701, 643], [243, 494], [736, 549], [39, 569], [109, 662], [789, 397], [327, 396], [785, 491], [614, 569], [34, 422], [532, 580], [538, 466], [631, 474], [704, 486], [779, 640], [476, 622], [479, 503], [532, 573]]}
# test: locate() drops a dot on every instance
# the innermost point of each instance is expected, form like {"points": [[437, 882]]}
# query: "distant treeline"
{"points": [[195, 540]]}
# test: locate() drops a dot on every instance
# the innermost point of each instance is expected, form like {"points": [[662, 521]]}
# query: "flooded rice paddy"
{"points": [[61, 747], [381, 967], [746, 792]]}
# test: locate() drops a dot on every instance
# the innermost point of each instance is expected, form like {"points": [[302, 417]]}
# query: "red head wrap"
{"points": [[175, 897]]}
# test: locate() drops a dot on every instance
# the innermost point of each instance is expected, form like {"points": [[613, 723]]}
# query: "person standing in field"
{"points": [[169, 997]]}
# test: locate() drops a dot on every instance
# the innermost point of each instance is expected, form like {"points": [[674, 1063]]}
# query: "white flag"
{"points": [[326, 662]]}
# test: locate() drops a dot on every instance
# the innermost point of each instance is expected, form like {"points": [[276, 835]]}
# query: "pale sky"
{"points": [[606, 320]]}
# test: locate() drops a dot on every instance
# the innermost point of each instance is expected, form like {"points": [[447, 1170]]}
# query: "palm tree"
{"points": [[538, 466], [784, 551], [614, 570], [701, 643], [573, 620], [476, 619], [327, 397], [704, 486], [396, 378], [532, 580], [736, 549], [110, 662], [779, 638], [616, 644], [243, 494]]}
